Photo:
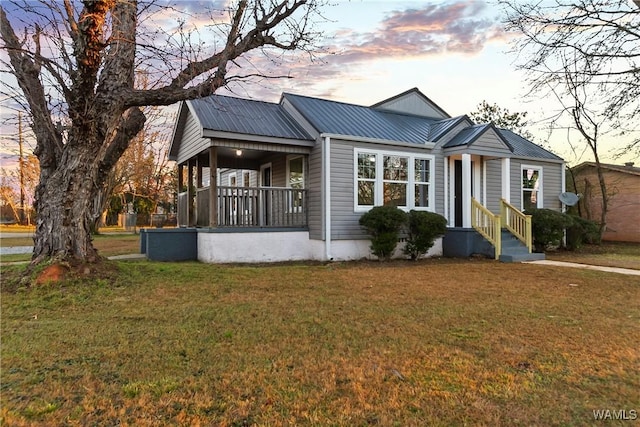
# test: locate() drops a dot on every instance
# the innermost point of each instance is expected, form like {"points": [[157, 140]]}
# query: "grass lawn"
{"points": [[437, 342]]}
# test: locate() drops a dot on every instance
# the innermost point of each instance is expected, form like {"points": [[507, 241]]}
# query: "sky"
{"points": [[454, 52]]}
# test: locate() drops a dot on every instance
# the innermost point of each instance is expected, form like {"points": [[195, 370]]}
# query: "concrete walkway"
{"points": [[13, 250], [628, 271]]}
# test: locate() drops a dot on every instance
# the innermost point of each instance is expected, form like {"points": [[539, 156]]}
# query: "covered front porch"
{"points": [[240, 188]]}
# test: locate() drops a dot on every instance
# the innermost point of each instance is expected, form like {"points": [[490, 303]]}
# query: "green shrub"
{"points": [[548, 227], [422, 229], [383, 223], [582, 231]]}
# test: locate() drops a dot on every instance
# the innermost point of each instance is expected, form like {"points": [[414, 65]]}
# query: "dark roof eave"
{"points": [[210, 133]]}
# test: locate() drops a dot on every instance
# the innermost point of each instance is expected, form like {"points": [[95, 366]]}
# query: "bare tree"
{"points": [[598, 40], [75, 64], [589, 124], [585, 54]]}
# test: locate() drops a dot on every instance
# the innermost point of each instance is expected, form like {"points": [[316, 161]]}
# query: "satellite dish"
{"points": [[568, 198]]}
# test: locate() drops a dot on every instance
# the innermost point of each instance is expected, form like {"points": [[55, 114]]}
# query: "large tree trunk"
{"points": [[64, 205], [66, 195]]}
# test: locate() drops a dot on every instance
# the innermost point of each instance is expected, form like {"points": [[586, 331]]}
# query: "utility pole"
{"points": [[21, 169]]}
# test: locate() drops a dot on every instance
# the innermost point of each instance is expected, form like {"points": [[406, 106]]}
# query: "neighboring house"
{"points": [[623, 189], [315, 165]]}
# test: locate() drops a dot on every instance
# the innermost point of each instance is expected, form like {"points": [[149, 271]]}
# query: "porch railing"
{"points": [[517, 223], [487, 224], [249, 207]]}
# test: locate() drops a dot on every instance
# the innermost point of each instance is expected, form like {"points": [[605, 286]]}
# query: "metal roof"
{"points": [[250, 117], [466, 136], [522, 147], [245, 116], [356, 120]]}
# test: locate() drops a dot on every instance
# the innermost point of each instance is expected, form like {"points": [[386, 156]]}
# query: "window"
{"points": [[296, 172], [295, 180], [396, 179], [366, 180], [421, 180], [531, 187], [247, 179]]}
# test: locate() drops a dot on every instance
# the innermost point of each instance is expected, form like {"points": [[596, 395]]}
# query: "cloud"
{"points": [[461, 27]]}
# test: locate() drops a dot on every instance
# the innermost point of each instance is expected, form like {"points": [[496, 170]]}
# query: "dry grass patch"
{"points": [[439, 342]]}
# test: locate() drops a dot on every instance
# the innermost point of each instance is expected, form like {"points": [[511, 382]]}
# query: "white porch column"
{"points": [[326, 165], [466, 190], [446, 190], [506, 179]]}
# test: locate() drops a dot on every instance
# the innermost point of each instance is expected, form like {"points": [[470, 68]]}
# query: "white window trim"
{"points": [[233, 175], [379, 195], [540, 195]]}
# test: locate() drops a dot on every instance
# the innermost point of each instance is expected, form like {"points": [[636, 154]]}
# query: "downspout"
{"points": [[326, 165], [563, 188], [563, 183]]}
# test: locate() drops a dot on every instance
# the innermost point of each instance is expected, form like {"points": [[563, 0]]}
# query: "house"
{"points": [[263, 181], [623, 189]]}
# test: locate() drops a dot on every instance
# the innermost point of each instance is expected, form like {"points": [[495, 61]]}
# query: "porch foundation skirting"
{"points": [[461, 242], [223, 246]]}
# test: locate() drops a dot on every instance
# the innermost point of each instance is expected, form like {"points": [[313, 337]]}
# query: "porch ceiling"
{"points": [[229, 158]]}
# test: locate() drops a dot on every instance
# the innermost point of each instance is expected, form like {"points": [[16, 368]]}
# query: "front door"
{"points": [[457, 185]]}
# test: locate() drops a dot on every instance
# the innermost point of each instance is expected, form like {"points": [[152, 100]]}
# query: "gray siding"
{"points": [[439, 180], [489, 144], [412, 103], [494, 185], [225, 176], [192, 143], [315, 197], [551, 182]]}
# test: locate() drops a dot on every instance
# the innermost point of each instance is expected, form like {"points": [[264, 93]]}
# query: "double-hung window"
{"points": [[396, 179], [422, 183], [366, 179], [531, 187]]}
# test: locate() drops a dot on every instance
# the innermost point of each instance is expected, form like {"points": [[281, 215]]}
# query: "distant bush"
{"points": [[422, 230], [383, 223], [582, 231], [548, 227]]}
